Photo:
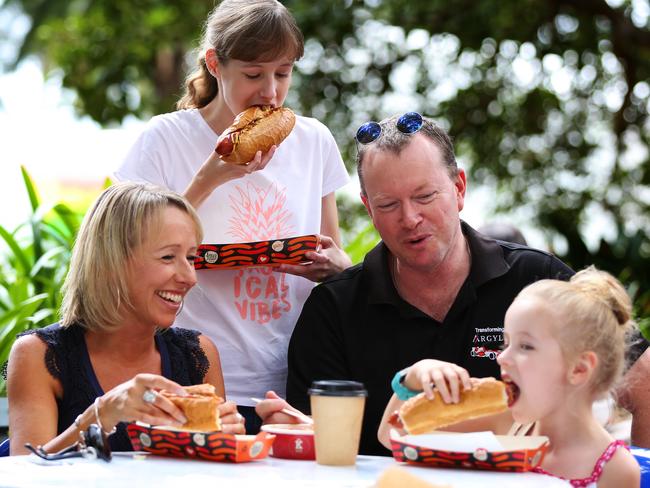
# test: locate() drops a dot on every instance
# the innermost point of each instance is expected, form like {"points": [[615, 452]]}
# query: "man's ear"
{"points": [[212, 62], [583, 368], [364, 199], [461, 186]]}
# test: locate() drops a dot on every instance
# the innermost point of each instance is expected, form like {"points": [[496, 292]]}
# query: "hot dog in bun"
{"points": [[199, 407], [255, 129], [419, 414]]}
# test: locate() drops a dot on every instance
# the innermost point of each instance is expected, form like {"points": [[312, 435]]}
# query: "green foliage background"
{"points": [[33, 264], [547, 100]]}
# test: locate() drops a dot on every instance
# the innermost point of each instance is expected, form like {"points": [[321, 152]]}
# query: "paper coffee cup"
{"points": [[337, 410]]}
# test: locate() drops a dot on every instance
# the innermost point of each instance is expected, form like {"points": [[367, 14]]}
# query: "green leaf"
{"points": [[70, 219], [31, 190], [57, 234], [644, 327], [365, 240], [18, 253], [50, 259], [23, 309]]}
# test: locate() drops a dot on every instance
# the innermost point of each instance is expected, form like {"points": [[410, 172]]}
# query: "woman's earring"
{"points": [[180, 309]]}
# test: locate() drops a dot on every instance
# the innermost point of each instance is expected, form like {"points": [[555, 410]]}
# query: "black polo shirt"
{"points": [[355, 326]]}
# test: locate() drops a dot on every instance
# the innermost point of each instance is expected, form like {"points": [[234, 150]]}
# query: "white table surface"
{"points": [[125, 470]]}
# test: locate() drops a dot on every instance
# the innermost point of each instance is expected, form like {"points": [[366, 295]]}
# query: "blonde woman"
{"points": [[114, 348]]}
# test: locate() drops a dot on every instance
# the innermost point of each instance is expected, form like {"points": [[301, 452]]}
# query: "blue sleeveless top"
{"points": [[67, 360]]}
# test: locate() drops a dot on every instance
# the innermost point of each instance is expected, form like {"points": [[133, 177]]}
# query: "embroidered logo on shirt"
{"points": [[260, 294], [487, 342]]}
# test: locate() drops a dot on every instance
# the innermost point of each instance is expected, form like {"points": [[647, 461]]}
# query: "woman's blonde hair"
{"points": [[247, 30], [596, 316], [113, 229]]}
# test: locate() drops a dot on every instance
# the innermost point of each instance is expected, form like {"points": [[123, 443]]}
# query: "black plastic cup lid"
{"points": [[338, 388]]}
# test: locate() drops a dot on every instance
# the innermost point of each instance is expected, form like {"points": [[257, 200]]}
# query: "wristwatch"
{"points": [[402, 392]]}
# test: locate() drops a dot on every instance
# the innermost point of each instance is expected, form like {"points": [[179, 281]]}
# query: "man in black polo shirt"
{"points": [[433, 288]]}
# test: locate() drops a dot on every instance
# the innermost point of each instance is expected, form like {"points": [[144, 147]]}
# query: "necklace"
{"points": [[395, 274]]}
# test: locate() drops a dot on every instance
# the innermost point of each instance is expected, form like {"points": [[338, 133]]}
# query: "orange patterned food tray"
{"points": [[520, 453], [210, 446], [262, 253]]}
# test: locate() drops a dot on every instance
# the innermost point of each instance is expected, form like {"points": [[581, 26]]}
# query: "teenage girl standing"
{"points": [[246, 58]]}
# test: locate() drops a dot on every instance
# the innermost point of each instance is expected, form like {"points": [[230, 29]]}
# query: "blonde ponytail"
{"points": [[596, 315]]}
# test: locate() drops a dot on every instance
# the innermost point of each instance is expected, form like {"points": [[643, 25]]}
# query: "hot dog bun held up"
{"points": [[255, 129], [419, 414]]}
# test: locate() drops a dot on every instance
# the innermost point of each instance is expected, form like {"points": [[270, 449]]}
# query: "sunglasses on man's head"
{"points": [[409, 123]]}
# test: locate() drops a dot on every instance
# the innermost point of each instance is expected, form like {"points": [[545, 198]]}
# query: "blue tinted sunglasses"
{"points": [[409, 123]]}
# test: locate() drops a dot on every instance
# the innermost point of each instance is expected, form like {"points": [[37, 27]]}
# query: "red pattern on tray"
{"points": [[518, 460], [272, 252], [211, 446]]}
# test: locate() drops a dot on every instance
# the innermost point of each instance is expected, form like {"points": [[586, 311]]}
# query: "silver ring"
{"points": [[149, 396]]}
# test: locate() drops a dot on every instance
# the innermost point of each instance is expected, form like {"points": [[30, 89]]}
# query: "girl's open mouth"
{"points": [[512, 390]]}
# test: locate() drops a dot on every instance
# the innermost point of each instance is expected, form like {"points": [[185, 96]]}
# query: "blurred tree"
{"points": [[547, 99], [120, 57]]}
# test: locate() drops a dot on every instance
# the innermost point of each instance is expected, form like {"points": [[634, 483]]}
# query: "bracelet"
{"points": [[99, 422], [402, 392]]}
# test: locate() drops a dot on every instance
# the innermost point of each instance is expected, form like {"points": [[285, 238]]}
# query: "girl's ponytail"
{"points": [[200, 86]]}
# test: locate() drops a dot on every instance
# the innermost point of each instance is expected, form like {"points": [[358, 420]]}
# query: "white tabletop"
{"points": [[125, 470]]}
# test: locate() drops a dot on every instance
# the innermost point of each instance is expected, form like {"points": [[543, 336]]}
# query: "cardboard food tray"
{"points": [[272, 252], [518, 453], [210, 446]]}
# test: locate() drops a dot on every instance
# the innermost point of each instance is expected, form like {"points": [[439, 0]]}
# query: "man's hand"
{"points": [[270, 410], [326, 262]]}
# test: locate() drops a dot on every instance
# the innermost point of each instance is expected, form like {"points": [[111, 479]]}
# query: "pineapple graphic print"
{"points": [[259, 214]]}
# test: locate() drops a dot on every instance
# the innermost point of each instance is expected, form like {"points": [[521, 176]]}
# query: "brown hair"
{"points": [[392, 140], [596, 316], [247, 30], [111, 232]]}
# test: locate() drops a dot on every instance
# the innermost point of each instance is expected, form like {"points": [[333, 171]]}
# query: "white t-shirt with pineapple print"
{"points": [[248, 313]]}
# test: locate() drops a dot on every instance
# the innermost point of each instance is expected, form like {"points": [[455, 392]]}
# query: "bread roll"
{"points": [[255, 129], [419, 414], [395, 477], [200, 407]]}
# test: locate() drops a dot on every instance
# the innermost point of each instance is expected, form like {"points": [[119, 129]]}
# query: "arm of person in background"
{"points": [[449, 380], [270, 410], [315, 352], [634, 395], [231, 421], [33, 410], [215, 172], [331, 259]]}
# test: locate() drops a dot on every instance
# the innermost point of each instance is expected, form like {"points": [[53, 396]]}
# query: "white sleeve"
{"points": [[143, 162], [335, 175]]}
